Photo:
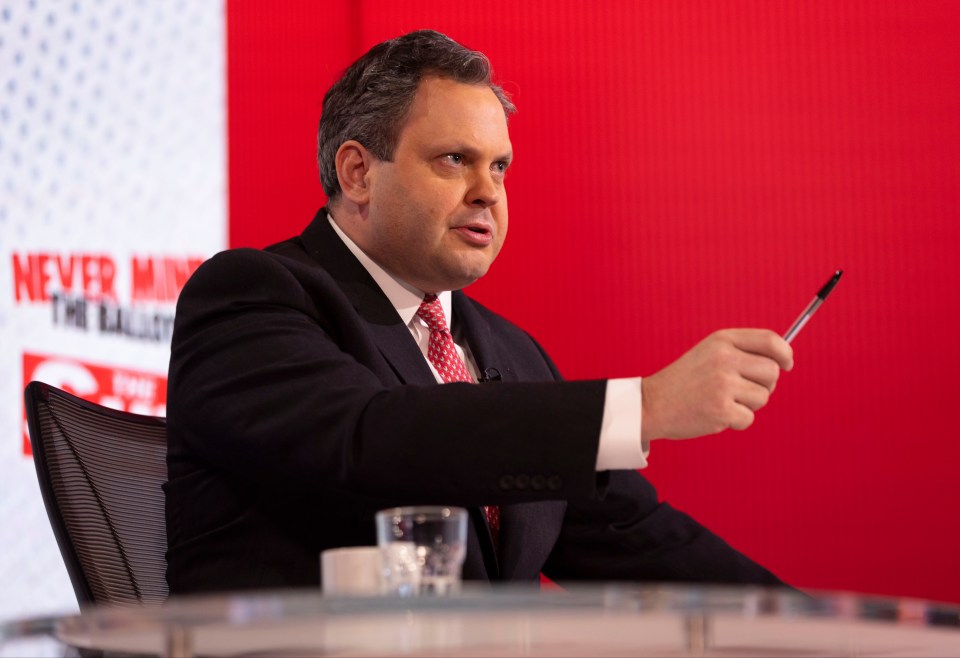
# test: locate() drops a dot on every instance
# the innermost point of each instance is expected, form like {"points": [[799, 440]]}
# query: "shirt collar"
{"points": [[405, 298]]}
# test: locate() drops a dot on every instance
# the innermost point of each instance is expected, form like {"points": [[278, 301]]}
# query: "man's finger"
{"points": [[760, 370], [766, 343], [752, 396], [741, 418]]}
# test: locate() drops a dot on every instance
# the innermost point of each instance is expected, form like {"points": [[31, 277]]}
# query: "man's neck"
{"points": [[404, 297]]}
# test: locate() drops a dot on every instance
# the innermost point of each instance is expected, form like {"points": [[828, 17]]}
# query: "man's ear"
{"points": [[353, 164]]}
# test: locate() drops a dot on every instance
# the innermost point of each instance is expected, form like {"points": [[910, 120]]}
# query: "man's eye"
{"points": [[454, 158], [500, 166]]}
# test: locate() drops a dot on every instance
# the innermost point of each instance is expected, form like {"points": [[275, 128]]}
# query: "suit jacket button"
{"points": [[554, 482], [521, 481], [506, 482], [538, 482]]}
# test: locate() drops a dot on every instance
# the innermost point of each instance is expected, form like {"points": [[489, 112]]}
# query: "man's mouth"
{"points": [[476, 234]]}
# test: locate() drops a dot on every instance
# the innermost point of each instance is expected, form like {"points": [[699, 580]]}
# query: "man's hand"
{"points": [[718, 384]]}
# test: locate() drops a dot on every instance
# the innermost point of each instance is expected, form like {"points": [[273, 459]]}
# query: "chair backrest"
{"points": [[101, 473]]}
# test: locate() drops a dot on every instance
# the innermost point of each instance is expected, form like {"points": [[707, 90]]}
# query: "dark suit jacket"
{"points": [[299, 405]]}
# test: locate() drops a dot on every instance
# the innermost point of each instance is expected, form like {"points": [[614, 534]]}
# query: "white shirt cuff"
{"points": [[620, 444]]}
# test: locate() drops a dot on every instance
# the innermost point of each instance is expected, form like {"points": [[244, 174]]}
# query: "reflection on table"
{"points": [[612, 620]]}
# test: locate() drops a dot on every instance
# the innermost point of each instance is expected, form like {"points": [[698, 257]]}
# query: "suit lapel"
{"points": [[528, 531], [387, 329], [487, 351]]}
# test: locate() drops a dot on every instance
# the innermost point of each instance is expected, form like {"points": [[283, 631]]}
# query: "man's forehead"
{"points": [[442, 104], [435, 90]]}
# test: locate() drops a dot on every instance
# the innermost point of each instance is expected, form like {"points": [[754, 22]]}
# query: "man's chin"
{"points": [[461, 278]]}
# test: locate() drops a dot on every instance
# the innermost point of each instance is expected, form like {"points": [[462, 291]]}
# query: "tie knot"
{"points": [[432, 313]]}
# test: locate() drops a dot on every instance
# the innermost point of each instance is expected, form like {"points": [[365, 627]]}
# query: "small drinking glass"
{"points": [[423, 549]]}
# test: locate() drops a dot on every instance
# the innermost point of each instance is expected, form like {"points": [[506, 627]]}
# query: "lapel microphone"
{"points": [[490, 375]]}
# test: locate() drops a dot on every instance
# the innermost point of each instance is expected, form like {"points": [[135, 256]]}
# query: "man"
{"points": [[303, 390]]}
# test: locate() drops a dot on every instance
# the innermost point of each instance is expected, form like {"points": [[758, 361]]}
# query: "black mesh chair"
{"points": [[100, 473]]}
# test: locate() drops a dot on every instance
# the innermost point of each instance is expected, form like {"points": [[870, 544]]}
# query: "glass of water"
{"points": [[423, 549]]}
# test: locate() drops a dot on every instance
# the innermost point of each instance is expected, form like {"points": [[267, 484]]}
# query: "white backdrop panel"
{"points": [[112, 189]]}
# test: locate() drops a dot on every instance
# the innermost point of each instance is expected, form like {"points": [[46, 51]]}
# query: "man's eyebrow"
{"points": [[474, 152]]}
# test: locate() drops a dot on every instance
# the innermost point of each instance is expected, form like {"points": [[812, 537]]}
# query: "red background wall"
{"points": [[686, 166]]}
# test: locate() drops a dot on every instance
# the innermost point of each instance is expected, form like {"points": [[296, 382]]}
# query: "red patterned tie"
{"points": [[443, 355], [441, 352]]}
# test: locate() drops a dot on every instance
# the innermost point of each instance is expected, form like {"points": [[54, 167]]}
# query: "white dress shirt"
{"points": [[620, 444]]}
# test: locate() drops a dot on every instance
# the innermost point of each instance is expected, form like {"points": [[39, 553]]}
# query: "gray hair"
{"points": [[371, 100]]}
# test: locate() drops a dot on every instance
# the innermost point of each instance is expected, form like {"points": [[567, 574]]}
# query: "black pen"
{"points": [[812, 307]]}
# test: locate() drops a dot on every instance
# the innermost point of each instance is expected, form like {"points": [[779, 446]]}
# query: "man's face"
{"points": [[437, 215]]}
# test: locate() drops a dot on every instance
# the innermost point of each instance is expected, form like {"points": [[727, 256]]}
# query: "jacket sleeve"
{"points": [[274, 378]]}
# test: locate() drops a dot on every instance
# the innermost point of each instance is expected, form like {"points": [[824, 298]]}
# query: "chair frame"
{"points": [[37, 395]]}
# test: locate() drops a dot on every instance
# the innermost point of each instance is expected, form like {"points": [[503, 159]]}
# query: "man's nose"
{"points": [[484, 190]]}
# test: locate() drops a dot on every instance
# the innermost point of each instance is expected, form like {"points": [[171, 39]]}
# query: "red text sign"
{"points": [[117, 388]]}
